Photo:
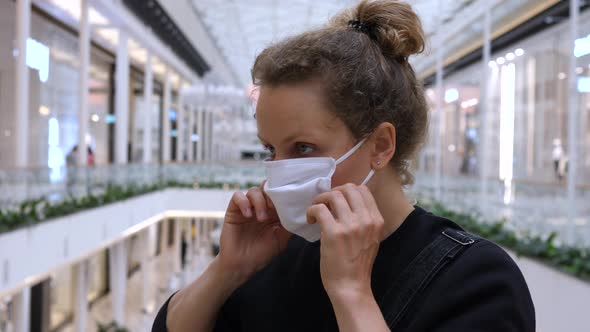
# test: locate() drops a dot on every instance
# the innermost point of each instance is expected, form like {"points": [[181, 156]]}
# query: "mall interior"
{"points": [[126, 126]]}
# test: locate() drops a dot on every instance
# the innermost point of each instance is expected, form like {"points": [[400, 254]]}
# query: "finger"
{"points": [[374, 212], [240, 200], [259, 202], [336, 203], [269, 202], [353, 197], [368, 198], [320, 214]]}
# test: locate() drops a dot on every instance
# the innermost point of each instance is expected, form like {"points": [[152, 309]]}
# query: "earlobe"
{"points": [[384, 147]]}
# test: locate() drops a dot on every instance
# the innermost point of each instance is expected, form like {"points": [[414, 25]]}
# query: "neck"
{"points": [[391, 201]]}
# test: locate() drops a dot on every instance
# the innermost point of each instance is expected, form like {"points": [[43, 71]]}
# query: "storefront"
{"points": [[53, 93], [527, 113]]}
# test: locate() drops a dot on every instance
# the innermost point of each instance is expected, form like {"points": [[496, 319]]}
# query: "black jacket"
{"points": [[480, 290]]}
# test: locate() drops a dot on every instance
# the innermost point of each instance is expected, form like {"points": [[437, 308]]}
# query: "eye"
{"points": [[303, 148], [271, 151]]}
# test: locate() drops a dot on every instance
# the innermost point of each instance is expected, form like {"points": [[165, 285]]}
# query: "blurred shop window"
{"points": [[97, 270], [6, 323], [134, 254], [61, 297], [8, 54]]}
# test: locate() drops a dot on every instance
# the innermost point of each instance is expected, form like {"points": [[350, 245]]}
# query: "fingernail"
{"points": [[248, 213], [262, 215]]}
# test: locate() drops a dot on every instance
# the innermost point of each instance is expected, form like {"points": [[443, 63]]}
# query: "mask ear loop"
{"points": [[368, 177], [351, 151]]}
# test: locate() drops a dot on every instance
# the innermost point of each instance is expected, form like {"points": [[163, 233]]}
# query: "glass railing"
{"points": [[535, 208], [28, 184]]}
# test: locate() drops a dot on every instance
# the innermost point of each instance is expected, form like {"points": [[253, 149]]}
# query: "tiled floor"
{"points": [[164, 286]]}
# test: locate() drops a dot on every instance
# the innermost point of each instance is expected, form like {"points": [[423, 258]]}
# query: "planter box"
{"points": [[31, 253]]}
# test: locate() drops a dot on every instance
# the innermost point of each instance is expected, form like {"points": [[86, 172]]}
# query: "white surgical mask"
{"points": [[293, 184]]}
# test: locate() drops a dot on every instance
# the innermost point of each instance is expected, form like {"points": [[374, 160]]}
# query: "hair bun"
{"points": [[394, 26]]}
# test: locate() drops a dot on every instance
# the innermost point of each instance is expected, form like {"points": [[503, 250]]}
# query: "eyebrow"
{"points": [[287, 139]]}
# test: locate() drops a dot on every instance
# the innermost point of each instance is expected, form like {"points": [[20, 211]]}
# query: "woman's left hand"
{"points": [[352, 229]]}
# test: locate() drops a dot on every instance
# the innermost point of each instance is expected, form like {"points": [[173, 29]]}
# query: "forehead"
{"points": [[291, 110]]}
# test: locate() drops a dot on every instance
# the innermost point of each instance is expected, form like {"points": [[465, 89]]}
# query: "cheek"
{"points": [[351, 171], [340, 177]]}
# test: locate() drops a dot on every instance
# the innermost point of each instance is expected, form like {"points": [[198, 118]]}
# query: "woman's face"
{"points": [[293, 122]]}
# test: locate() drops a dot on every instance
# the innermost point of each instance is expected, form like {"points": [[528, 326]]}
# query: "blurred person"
{"points": [[330, 242], [72, 157], [557, 156], [562, 166], [71, 167], [90, 159], [183, 249]]}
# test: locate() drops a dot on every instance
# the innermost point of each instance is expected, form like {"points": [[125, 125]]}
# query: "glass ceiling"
{"points": [[242, 29]]}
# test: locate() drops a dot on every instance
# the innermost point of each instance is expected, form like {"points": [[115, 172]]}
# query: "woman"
{"points": [[328, 245]]}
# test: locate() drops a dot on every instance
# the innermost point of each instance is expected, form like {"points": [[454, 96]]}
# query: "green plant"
{"points": [[572, 260], [39, 210], [110, 327]]}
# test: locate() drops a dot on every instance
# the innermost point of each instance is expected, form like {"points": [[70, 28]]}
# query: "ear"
{"points": [[383, 139]]}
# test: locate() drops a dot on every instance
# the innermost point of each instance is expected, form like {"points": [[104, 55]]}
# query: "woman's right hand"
{"points": [[252, 234]]}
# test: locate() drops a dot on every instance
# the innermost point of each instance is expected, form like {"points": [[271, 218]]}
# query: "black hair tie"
{"points": [[360, 26]]}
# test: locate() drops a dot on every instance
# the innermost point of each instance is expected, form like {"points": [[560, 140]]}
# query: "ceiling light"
{"points": [[519, 52], [44, 110], [451, 95], [469, 103], [561, 76], [579, 70], [584, 85], [95, 118], [510, 56], [500, 60]]}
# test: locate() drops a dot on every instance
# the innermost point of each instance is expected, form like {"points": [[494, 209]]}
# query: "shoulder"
{"points": [[486, 264], [481, 287]]}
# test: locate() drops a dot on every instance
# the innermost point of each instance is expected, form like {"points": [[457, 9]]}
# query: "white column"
{"points": [[83, 82], [22, 310], [147, 109], [438, 120], [572, 129], [205, 136], [164, 237], [146, 272], [118, 280], [23, 25], [484, 100], [211, 137], [209, 140], [200, 132], [166, 118], [122, 100], [180, 126], [80, 300], [191, 131]]}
